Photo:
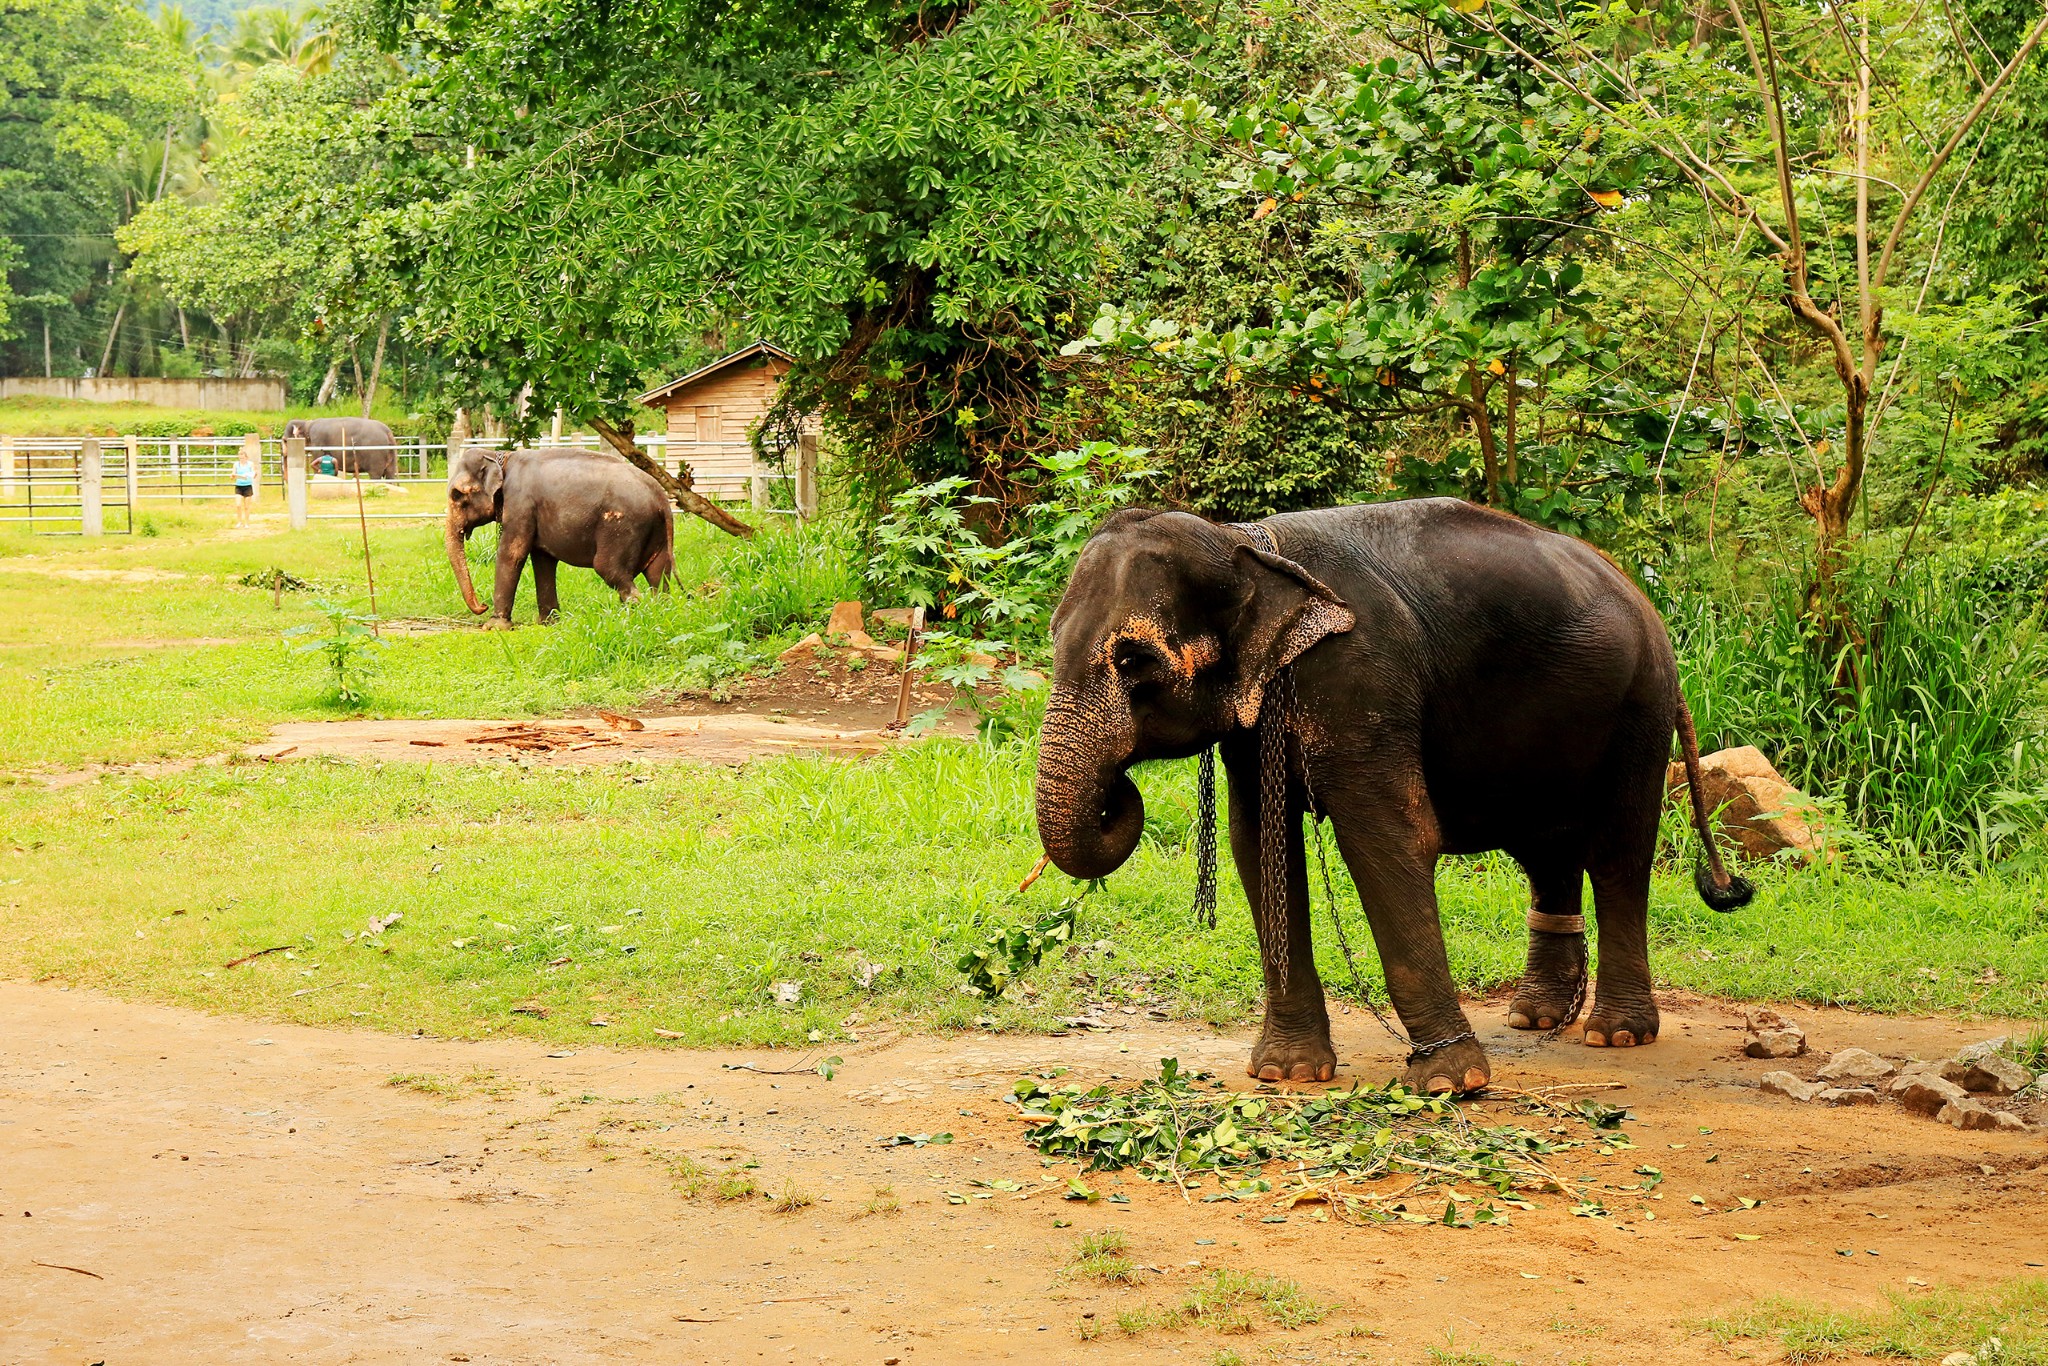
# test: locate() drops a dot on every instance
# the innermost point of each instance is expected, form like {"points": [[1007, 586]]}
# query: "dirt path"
{"points": [[728, 739], [248, 1192]]}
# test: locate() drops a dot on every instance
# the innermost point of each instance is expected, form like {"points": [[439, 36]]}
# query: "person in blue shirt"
{"points": [[245, 487]]}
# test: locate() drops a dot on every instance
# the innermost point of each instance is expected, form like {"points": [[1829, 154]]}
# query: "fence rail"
{"points": [[95, 485]]}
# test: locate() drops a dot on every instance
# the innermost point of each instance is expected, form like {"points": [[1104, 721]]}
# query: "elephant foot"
{"points": [[1609, 1027], [1460, 1068], [498, 624], [1553, 984], [1302, 1057]]}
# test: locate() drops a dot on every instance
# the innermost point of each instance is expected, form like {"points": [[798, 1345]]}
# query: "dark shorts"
{"points": [[245, 490]]}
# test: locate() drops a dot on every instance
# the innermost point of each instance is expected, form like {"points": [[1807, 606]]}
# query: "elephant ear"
{"points": [[1284, 610]]}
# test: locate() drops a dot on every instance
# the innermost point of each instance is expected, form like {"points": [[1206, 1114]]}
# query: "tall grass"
{"points": [[1923, 727]]}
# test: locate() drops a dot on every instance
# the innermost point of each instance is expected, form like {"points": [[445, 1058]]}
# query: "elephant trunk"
{"points": [[1089, 812], [458, 560]]}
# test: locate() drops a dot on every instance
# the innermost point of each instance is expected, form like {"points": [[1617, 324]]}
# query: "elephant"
{"points": [[557, 504], [356, 444], [1436, 678]]}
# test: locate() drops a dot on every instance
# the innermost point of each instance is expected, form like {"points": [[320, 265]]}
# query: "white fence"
{"points": [[91, 486]]}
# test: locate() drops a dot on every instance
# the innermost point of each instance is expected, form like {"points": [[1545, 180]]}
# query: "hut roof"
{"points": [[654, 397]]}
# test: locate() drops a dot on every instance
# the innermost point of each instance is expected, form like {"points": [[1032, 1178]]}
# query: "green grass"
{"points": [[1923, 1326], [1103, 1256], [33, 416]]}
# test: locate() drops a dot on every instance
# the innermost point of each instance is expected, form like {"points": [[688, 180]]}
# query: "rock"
{"points": [[846, 619], [982, 661], [1977, 1052], [803, 648], [893, 616], [858, 639], [1771, 1035], [1856, 1065], [1786, 1085], [1968, 1114], [1959, 1359], [1989, 1074], [1926, 1094], [1759, 810], [2008, 1120], [1848, 1095]]}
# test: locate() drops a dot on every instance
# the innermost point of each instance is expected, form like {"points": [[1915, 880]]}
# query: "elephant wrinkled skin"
{"points": [[557, 505], [1465, 681]]}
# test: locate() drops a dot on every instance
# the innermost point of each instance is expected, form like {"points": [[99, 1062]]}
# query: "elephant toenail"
{"points": [[1440, 1085], [1595, 1039], [1269, 1073], [1649, 1038], [1302, 1072], [1624, 1039], [1544, 1023], [1475, 1080], [1517, 1020], [1326, 1071]]}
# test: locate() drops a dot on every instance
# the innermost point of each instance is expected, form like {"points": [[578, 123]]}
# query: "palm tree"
{"points": [[282, 35]]}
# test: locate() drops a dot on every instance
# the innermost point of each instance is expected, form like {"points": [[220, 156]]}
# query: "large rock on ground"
{"points": [[1789, 1086], [1989, 1073], [846, 619], [1771, 1035], [1856, 1067], [1926, 1094], [1759, 810]]}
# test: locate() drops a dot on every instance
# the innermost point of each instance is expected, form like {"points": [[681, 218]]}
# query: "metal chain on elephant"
{"points": [[1273, 721], [1205, 838]]}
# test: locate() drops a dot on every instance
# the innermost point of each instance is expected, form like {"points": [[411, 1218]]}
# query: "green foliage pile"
{"points": [[1175, 1126], [1006, 955]]}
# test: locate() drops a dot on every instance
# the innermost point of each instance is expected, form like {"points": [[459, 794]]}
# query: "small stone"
{"points": [[1789, 1086], [1985, 1048], [1856, 1065], [846, 618], [1849, 1095], [1988, 1073], [802, 647], [1968, 1114], [2011, 1122], [1926, 1094], [1771, 1035], [1959, 1359]]}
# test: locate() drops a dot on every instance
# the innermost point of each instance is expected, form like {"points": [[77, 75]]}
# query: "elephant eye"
{"points": [[1135, 662]]}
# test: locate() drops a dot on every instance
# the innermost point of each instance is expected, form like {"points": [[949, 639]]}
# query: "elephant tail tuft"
{"points": [[1720, 889]]}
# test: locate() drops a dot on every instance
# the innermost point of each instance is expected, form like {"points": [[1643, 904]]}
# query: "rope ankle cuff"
{"points": [[1557, 924]]}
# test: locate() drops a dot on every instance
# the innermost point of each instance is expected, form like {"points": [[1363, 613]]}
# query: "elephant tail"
{"points": [[1720, 889]]}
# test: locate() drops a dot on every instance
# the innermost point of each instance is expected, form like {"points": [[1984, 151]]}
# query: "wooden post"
{"points": [[295, 480], [134, 479], [807, 476], [757, 491], [363, 519], [7, 465], [90, 513], [903, 686]]}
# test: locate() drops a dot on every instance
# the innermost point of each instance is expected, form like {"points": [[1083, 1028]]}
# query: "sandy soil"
{"points": [[248, 1192], [730, 738]]}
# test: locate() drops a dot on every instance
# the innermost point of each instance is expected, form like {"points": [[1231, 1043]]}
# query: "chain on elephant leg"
{"points": [[1553, 988]]}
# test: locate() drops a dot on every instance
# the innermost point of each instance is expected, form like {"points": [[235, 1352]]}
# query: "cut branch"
{"points": [[685, 498]]}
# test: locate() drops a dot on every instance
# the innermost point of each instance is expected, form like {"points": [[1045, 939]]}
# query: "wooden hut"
{"points": [[712, 413]]}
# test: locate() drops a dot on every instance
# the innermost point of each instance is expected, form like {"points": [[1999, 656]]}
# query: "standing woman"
{"points": [[245, 486]]}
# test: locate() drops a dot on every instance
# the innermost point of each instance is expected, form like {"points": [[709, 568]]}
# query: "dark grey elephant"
{"points": [[357, 444], [1437, 679], [558, 505]]}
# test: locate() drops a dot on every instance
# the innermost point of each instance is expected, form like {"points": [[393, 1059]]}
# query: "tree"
{"points": [[85, 86]]}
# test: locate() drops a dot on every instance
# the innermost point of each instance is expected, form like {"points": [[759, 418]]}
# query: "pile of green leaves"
{"points": [[1169, 1127], [1007, 955]]}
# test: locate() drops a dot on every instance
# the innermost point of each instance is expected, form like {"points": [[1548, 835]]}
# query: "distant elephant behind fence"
{"points": [[355, 444]]}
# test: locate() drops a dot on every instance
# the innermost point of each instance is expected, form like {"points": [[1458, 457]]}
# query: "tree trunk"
{"points": [[621, 440], [1482, 427], [355, 361], [327, 384], [377, 363], [48, 372], [107, 355], [184, 329], [1514, 469]]}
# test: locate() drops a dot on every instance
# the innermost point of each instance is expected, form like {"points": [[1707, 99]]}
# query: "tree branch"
{"points": [[685, 498]]}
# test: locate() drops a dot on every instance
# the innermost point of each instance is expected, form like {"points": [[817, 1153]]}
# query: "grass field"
{"points": [[674, 898], [33, 416]]}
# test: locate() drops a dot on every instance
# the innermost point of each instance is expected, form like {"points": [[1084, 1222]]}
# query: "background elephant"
{"points": [[558, 504], [356, 443], [1461, 681]]}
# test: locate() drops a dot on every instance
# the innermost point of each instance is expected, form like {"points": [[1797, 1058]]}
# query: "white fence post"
{"points": [[90, 518], [295, 480], [806, 477], [7, 465]]}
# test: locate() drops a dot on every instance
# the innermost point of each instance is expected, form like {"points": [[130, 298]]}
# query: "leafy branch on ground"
{"points": [[1178, 1128], [1008, 954]]}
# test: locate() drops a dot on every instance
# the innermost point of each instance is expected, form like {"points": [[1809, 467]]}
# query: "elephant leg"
{"points": [[1294, 1043], [1389, 840], [1554, 981], [512, 553], [614, 560], [1625, 1008], [545, 601]]}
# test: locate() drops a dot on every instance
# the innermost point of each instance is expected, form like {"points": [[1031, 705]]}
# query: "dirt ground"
{"points": [[710, 739], [250, 1192]]}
